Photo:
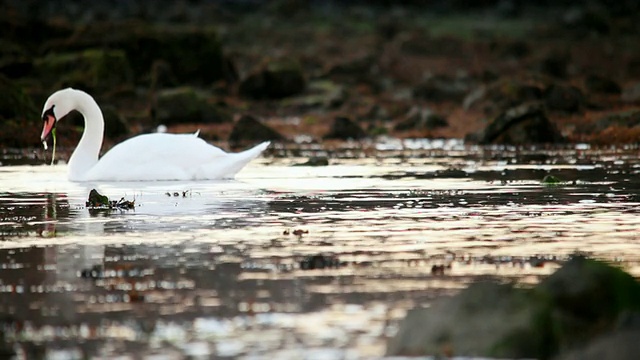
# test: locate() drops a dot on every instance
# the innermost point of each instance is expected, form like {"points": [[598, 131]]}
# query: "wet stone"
{"points": [[344, 128]]}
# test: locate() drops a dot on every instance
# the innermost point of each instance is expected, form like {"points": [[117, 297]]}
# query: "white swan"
{"points": [[144, 157]]}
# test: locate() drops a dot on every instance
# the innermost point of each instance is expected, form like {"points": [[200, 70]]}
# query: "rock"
{"points": [[355, 67], [194, 54], [315, 161], [320, 261], [585, 21], [20, 122], [421, 119], [601, 85], [344, 128], [619, 345], [567, 99], [581, 301], [276, 80], [631, 93], [186, 105], [555, 65], [525, 124], [442, 88], [511, 50], [453, 326], [90, 70], [319, 94], [626, 119], [504, 94], [249, 129]]}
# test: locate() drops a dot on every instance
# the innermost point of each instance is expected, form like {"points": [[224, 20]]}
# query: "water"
{"points": [[296, 261]]}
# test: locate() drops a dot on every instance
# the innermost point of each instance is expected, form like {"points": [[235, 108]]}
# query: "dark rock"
{"points": [[631, 93], [511, 50], [586, 21], [420, 44], [194, 54], [579, 302], [249, 129], [344, 128], [568, 99], [421, 119], [16, 68], [556, 65], [274, 81], [319, 94], [442, 88], [504, 94], [627, 119], [93, 69], [355, 67], [619, 345], [526, 124], [186, 105], [316, 262], [20, 122], [601, 85], [315, 161], [453, 326]]}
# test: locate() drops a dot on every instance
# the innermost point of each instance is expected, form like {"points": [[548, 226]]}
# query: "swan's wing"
{"points": [[156, 157]]}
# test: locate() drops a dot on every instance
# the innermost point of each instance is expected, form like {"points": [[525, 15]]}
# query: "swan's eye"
{"points": [[49, 114]]}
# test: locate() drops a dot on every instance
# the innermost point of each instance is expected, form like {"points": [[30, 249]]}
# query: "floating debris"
{"points": [[296, 232], [185, 193], [98, 201]]}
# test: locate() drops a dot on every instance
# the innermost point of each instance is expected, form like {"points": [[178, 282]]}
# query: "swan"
{"points": [[158, 156]]}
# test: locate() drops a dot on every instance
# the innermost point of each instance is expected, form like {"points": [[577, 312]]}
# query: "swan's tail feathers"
{"points": [[235, 162]]}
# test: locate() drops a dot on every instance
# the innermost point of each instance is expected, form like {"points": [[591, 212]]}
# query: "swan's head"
{"points": [[57, 106]]}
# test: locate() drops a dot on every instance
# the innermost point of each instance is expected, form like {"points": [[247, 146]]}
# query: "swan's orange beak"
{"points": [[49, 124]]}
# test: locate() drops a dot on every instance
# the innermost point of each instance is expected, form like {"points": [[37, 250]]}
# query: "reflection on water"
{"points": [[295, 262]]}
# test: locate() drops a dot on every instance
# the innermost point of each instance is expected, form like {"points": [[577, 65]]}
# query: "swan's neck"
{"points": [[85, 156]]}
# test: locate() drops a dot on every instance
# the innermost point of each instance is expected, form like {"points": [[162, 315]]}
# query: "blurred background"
{"points": [[490, 71]]}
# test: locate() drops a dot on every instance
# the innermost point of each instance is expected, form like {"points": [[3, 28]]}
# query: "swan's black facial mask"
{"points": [[49, 119]]}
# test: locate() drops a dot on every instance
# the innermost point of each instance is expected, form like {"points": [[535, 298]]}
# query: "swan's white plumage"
{"points": [[157, 156]]}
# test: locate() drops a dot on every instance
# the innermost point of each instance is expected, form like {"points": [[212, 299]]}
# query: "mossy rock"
{"points": [[580, 302], [194, 54], [92, 69], [522, 125], [187, 105], [461, 325], [19, 118], [587, 297], [275, 80]]}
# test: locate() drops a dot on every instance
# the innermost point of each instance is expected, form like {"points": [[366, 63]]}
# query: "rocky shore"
{"points": [[497, 72]]}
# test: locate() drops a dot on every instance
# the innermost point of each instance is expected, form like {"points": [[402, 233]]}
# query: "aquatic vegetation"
{"points": [[97, 201]]}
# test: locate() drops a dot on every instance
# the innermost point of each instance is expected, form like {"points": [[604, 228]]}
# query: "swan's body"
{"points": [[145, 157]]}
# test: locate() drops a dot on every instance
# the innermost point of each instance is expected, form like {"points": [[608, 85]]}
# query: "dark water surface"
{"points": [[293, 261]]}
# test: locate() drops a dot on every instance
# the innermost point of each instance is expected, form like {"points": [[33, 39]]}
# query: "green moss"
{"points": [[89, 69]]}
